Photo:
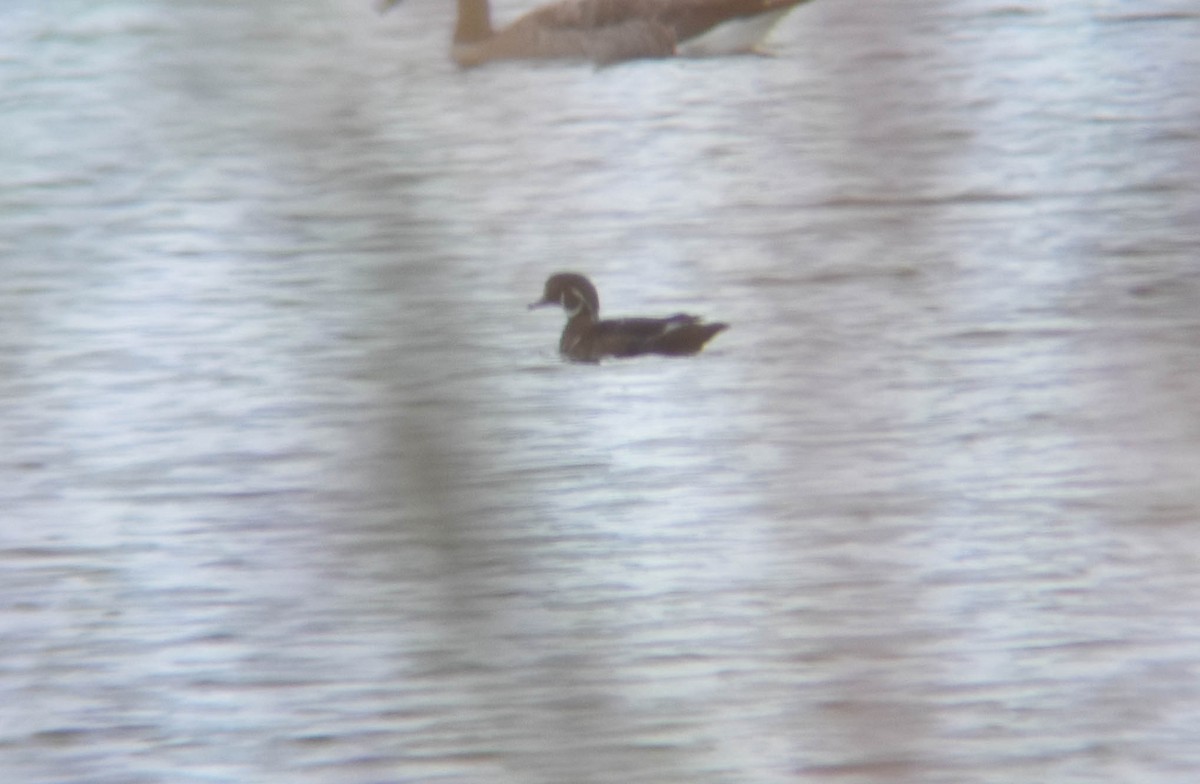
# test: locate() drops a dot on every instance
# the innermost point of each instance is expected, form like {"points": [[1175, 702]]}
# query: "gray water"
{"points": [[294, 488]]}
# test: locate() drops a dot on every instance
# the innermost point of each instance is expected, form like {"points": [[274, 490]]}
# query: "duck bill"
{"points": [[541, 303]]}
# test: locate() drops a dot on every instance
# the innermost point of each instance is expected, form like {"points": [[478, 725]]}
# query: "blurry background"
{"points": [[294, 489]]}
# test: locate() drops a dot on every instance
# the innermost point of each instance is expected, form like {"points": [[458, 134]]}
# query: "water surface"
{"points": [[295, 489]]}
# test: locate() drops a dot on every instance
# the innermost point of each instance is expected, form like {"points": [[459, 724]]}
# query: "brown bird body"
{"points": [[608, 31], [588, 339]]}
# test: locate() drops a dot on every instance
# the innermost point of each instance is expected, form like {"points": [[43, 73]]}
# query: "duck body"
{"points": [[587, 338], [609, 31]]}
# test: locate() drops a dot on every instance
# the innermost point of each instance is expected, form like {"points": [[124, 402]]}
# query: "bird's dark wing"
{"points": [[645, 327], [678, 334]]}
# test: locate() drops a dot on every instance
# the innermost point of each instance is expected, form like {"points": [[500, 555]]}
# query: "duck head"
{"points": [[573, 292]]}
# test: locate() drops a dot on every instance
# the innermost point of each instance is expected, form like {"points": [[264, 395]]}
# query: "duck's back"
{"points": [[604, 31], [679, 334]]}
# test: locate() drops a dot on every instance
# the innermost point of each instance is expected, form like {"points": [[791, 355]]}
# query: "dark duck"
{"points": [[610, 31], [588, 339]]}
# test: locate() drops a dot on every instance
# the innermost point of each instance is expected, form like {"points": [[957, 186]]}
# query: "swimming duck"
{"points": [[588, 339], [609, 31]]}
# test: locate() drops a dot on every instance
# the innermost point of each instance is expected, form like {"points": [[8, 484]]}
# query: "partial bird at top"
{"points": [[609, 31]]}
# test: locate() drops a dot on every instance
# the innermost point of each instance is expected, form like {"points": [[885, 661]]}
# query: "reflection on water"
{"points": [[296, 489]]}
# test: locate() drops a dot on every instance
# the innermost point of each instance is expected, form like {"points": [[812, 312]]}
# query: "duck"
{"points": [[588, 339], [611, 31]]}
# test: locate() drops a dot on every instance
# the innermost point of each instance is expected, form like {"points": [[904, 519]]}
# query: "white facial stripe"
{"points": [[579, 298]]}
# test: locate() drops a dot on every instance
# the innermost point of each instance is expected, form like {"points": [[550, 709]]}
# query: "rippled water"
{"points": [[296, 490]]}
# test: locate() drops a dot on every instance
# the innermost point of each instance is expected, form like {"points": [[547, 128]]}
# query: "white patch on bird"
{"points": [[575, 311], [677, 321], [736, 36]]}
